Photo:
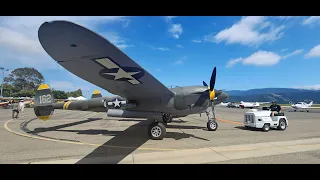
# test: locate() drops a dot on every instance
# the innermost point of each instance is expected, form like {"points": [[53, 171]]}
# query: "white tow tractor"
{"points": [[263, 120]]}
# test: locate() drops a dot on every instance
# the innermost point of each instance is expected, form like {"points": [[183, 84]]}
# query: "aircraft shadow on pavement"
{"points": [[127, 142], [55, 128], [122, 144]]}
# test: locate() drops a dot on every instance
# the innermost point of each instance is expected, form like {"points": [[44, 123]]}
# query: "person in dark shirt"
{"points": [[274, 108]]}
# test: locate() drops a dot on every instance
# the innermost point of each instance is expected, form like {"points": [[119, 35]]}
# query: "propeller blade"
{"points": [[204, 83], [213, 78]]}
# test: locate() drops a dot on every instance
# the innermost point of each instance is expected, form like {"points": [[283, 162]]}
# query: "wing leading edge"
{"points": [[96, 60]]}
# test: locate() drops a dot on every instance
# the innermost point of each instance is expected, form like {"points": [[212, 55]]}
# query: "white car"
{"points": [[263, 120]]}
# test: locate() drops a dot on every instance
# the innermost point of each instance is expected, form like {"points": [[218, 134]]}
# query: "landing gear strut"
{"points": [[167, 118], [212, 124], [157, 129]]}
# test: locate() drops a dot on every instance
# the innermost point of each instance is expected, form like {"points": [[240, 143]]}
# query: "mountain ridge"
{"points": [[280, 95]]}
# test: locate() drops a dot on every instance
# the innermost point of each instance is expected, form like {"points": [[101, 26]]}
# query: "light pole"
{"points": [[3, 70]]}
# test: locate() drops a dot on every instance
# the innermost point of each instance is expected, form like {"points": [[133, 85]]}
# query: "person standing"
{"points": [[15, 109], [21, 105]]}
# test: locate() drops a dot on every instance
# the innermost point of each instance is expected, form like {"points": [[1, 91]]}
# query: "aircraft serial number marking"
{"points": [[45, 99]]}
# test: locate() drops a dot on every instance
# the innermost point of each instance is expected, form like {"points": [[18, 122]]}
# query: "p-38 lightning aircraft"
{"points": [[139, 95]]}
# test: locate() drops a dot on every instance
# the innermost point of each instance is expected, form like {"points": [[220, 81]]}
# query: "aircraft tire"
{"points": [[212, 125], [157, 131]]}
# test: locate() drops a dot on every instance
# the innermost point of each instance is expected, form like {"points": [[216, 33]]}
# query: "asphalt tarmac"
{"points": [[89, 137]]}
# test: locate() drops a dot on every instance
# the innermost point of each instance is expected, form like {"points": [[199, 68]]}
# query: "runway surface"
{"points": [[89, 137]]}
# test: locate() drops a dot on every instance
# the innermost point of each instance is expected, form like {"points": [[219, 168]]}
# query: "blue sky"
{"points": [[249, 52]]}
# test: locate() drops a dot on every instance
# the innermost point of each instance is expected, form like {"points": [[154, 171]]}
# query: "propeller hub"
{"points": [[212, 95]]}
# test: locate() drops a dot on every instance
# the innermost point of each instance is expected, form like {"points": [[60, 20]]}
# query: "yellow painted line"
{"points": [[80, 143], [228, 121]]}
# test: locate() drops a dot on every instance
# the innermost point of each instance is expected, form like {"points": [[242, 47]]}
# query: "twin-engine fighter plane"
{"points": [[96, 60]]}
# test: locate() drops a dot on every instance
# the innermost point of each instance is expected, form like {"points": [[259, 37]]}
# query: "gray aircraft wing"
{"points": [[96, 60]]}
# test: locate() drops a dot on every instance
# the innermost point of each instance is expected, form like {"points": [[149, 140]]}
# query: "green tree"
{"points": [[76, 93], [57, 94], [9, 90], [25, 78], [25, 93]]}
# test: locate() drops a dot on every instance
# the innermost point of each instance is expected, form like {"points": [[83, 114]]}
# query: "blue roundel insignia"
{"points": [[113, 71]]}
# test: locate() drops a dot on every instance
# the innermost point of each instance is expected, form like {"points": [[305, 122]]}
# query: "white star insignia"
{"points": [[116, 103]]}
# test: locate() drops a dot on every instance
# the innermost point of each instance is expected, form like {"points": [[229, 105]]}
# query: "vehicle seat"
{"points": [[279, 114]]}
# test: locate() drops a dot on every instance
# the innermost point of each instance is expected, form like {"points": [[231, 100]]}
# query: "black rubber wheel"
{"points": [[266, 127], [282, 125], [212, 125], [157, 131]]}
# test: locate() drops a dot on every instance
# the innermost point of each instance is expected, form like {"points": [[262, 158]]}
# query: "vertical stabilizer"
{"points": [[96, 94]]}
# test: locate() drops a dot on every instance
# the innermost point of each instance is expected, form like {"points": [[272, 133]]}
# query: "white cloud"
{"points": [[251, 30], [285, 17], [293, 53], [311, 87], [282, 50], [169, 18], [180, 61], [176, 30], [19, 40], [196, 41], [179, 46], [159, 48], [262, 58], [314, 52], [116, 40], [311, 20], [162, 49], [66, 86]]}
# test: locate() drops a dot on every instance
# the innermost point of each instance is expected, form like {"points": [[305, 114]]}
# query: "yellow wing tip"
{"points": [[43, 86], [44, 118], [96, 92]]}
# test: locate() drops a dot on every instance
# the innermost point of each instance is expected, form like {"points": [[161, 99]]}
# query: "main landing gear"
{"points": [[157, 129]]}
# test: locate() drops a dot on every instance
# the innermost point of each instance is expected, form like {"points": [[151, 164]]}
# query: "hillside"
{"points": [[281, 95]]}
